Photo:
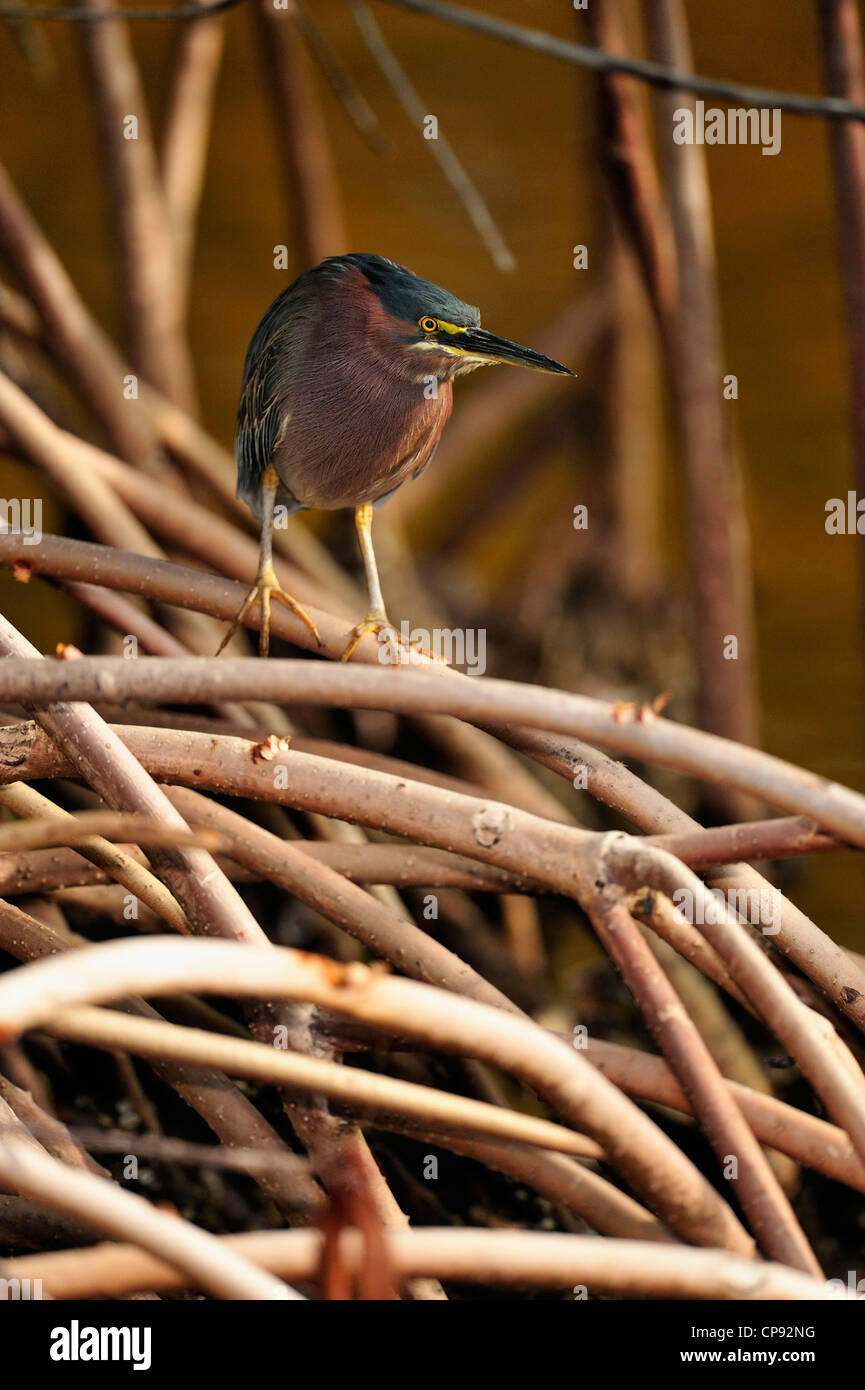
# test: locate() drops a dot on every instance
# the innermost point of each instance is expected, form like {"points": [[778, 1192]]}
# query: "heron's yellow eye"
{"points": [[428, 325]]}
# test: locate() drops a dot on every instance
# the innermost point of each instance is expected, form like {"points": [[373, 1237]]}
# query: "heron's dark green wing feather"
{"points": [[262, 414]]}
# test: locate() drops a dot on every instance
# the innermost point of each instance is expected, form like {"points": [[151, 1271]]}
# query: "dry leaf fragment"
{"points": [[271, 748], [627, 712]]}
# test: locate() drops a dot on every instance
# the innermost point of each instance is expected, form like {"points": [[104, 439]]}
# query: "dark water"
{"points": [[525, 127]]}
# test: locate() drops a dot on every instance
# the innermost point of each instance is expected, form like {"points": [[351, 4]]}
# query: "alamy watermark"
{"points": [[22, 516], [854, 1287], [77, 1343], [761, 906], [20, 1290], [464, 647], [845, 516], [735, 125]]}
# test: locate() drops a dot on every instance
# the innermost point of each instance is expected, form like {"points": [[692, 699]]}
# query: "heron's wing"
{"points": [[262, 414]]}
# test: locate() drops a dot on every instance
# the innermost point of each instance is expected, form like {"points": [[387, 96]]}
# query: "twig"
{"points": [[232, 1118], [633, 176], [142, 226], [769, 1212], [51, 1133], [810, 1141], [702, 755], [318, 785], [608, 780], [381, 929], [312, 196], [122, 867], [555, 1176], [656, 74], [125, 618], [842, 59], [35, 994], [717, 533], [185, 140], [125, 1216], [209, 900], [76, 340], [106, 15], [164, 1150], [363, 1092], [65, 871], [354, 103], [440, 148], [129, 621], [809, 1038], [804, 1137], [211, 903], [782, 838], [77, 830], [567, 860], [633, 556], [538, 1259], [64, 458], [26, 1225]]}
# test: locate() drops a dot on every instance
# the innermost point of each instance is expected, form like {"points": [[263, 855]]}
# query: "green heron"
{"points": [[346, 390]]}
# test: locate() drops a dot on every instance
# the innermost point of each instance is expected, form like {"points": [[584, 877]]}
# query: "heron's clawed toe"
{"points": [[251, 598], [428, 653], [298, 610], [265, 591], [376, 623]]}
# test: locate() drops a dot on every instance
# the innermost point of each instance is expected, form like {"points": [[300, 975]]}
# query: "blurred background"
{"points": [[486, 538]]}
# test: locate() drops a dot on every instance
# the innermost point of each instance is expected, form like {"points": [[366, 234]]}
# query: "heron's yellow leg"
{"points": [[376, 619], [266, 588]]}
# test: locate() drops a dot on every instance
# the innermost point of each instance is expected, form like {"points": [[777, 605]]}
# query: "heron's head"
{"points": [[428, 330]]}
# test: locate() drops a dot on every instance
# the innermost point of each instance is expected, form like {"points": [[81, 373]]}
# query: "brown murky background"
{"points": [[525, 127]]}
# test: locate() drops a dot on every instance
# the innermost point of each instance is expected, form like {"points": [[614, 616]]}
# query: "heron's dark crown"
{"points": [[404, 294]]}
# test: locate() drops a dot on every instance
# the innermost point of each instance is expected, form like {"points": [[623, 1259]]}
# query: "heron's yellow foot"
{"points": [[376, 623], [428, 653], [265, 591]]}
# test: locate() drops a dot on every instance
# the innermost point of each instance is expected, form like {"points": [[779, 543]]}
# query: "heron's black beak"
{"points": [[486, 347]]}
